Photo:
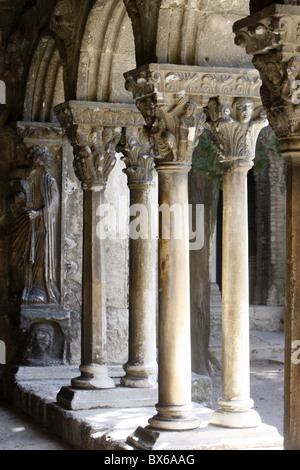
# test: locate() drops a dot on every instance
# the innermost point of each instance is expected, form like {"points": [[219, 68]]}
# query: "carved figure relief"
{"points": [[174, 132], [235, 136], [95, 158], [33, 205]]}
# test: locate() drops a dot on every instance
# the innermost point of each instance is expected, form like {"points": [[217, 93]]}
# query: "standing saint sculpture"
{"points": [[34, 203]]}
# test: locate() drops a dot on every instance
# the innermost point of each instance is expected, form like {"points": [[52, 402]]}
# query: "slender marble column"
{"points": [[94, 150], [174, 407], [93, 368], [236, 140], [173, 127], [272, 37], [141, 368]]}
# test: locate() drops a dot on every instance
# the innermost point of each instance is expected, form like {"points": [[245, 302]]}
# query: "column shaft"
{"points": [[235, 404], [292, 319], [141, 368], [174, 406], [94, 371]]}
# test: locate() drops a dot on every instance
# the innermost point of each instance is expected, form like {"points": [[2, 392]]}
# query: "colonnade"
{"points": [[161, 131]]}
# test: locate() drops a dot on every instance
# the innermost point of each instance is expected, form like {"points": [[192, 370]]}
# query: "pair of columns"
{"points": [[173, 122], [271, 36]]}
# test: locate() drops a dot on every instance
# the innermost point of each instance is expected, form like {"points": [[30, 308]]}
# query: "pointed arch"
{"points": [[107, 51], [44, 88]]}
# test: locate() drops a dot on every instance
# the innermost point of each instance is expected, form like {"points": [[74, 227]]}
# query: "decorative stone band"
{"points": [[35, 132], [94, 130], [198, 83]]}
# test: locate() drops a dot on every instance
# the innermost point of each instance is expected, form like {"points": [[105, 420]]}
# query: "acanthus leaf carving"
{"points": [[138, 156], [235, 137]]}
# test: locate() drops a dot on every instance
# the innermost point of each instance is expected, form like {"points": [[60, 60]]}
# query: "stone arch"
{"points": [[107, 51], [44, 88]]}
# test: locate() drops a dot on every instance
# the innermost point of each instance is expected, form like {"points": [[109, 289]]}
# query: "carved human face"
{"points": [[189, 109], [213, 110], [244, 110], [42, 339]]}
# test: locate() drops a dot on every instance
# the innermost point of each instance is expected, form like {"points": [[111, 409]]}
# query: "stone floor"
{"points": [[108, 428]]}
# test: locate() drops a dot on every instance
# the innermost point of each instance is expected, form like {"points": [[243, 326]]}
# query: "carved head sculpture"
{"points": [[213, 109], [244, 110], [41, 339], [40, 157]]}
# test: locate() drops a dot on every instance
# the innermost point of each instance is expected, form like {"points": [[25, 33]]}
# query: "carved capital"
{"points": [[171, 99], [138, 156], [235, 129], [94, 131], [274, 27], [272, 37]]}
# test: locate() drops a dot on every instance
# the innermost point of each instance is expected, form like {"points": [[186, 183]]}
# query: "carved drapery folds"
{"points": [[33, 205]]}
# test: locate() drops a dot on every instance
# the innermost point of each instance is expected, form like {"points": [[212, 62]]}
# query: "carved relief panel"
{"points": [[39, 284]]}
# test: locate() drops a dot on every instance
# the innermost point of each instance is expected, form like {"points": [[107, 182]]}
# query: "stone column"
{"points": [[173, 124], [141, 368], [236, 141], [94, 158], [272, 37]]}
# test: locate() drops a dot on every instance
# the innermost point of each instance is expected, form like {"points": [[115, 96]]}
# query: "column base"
{"points": [[139, 376], [119, 397], [93, 377], [174, 418], [235, 414]]}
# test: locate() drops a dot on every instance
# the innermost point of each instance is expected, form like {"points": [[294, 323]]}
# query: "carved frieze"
{"points": [[234, 128], [195, 81]]}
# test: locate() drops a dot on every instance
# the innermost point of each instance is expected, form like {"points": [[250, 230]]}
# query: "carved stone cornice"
{"points": [[235, 129], [199, 83], [272, 37], [94, 130], [36, 132], [138, 156]]}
